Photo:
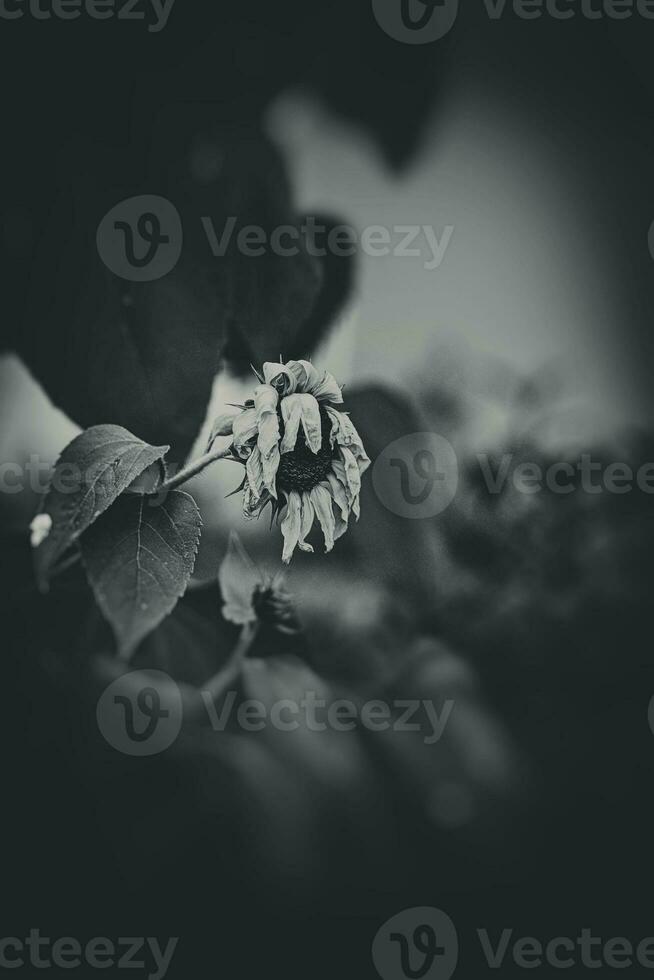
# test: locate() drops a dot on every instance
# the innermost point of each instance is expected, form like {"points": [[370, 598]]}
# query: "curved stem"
{"points": [[229, 673], [194, 468], [196, 709]]}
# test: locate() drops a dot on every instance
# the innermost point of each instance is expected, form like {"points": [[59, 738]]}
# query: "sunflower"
{"points": [[302, 455]]}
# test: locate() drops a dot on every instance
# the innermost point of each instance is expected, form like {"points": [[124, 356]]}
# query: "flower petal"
{"points": [[265, 402], [348, 471], [291, 415], [270, 465], [345, 434], [311, 422], [322, 504], [251, 502], [280, 377], [337, 490], [245, 430], [306, 523], [305, 409], [291, 524], [327, 389], [254, 470], [306, 374], [339, 495]]}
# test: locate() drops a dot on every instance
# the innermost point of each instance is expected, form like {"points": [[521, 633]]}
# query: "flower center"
{"points": [[302, 469]]}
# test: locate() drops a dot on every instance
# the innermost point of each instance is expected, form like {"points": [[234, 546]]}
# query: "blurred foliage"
{"points": [[527, 612]]}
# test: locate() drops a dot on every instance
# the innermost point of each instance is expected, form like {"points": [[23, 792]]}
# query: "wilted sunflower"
{"points": [[301, 455]]}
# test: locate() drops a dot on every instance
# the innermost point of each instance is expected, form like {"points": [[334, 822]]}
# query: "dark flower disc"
{"points": [[302, 469]]}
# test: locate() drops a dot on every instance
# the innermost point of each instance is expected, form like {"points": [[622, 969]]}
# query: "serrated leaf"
{"points": [[238, 578], [92, 471], [139, 558]]}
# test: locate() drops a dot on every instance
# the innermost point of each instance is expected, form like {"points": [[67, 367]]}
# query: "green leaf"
{"points": [[92, 471], [139, 558]]}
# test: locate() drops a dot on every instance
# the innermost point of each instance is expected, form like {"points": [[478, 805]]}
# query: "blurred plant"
{"points": [[251, 597]]}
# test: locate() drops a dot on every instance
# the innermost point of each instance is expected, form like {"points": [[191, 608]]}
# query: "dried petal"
{"points": [[254, 470], [305, 409], [280, 377], [306, 374], [322, 504], [265, 401], [291, 525], [306, 522], [345, 434], [245, 430], [327, 389]]}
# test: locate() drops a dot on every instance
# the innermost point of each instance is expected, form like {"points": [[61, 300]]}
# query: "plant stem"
{"points": [[66, 563], [229, 673], [194, 468], [196, 709]]}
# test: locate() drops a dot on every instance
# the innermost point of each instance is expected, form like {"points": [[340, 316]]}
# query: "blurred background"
{"points": [[532, 141]]}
